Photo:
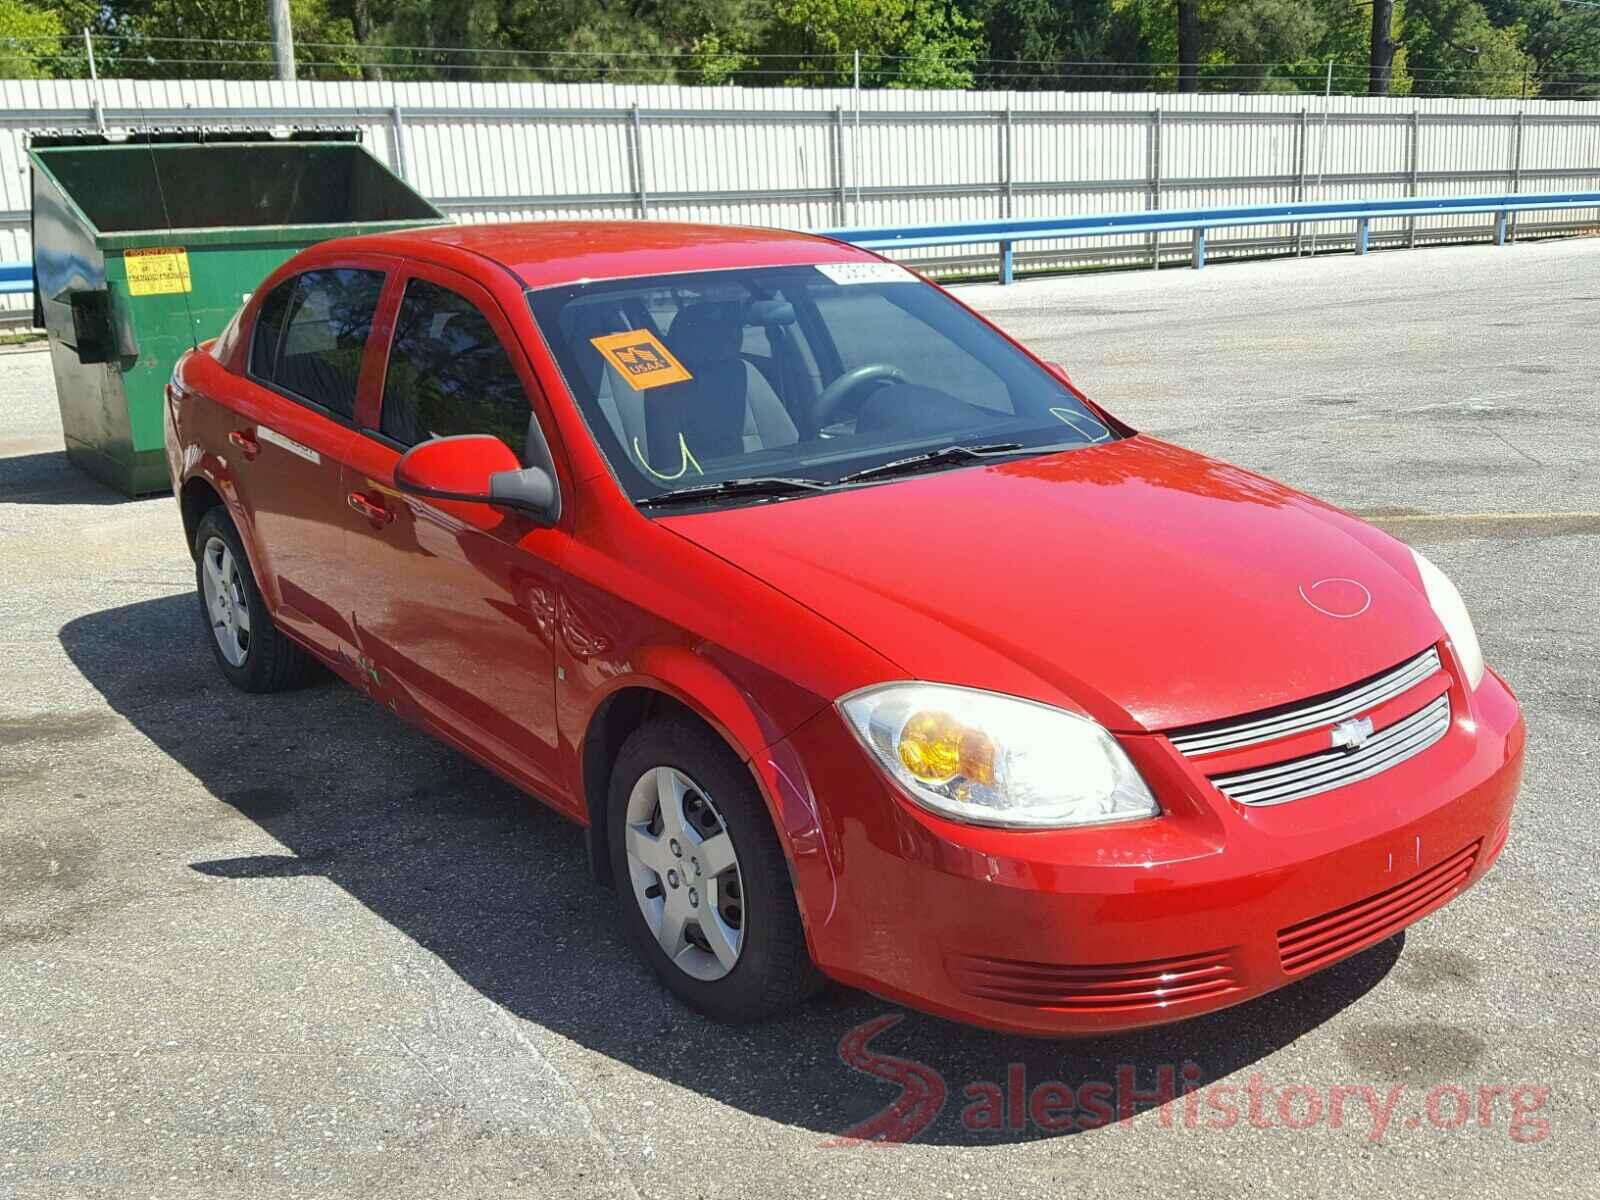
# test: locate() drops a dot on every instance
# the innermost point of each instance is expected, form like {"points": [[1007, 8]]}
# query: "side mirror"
{"points": [[475, 468], [1061, 371]]}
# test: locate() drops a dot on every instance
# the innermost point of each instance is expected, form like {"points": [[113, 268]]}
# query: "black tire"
{"points": [[272, 663], [774, 971]]}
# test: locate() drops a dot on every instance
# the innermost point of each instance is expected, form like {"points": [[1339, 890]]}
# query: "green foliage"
{"points": [[1444, 47], [902, 43], [227, 38], [1563, 41], [938, 45], [30, 40], [1277, 43], [719, 58], [1455, 49], [1088, 45]]}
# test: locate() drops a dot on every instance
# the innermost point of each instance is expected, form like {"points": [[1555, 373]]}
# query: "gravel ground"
{"points": [[285, 946]]}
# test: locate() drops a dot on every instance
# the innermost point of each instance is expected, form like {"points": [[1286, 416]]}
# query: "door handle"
{"points": [[245, 439], [370, 509]]}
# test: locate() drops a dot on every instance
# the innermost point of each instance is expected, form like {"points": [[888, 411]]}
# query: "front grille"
{"points": [[1104, 987], [1324, 710], [1332, 936], [1328, 769]]}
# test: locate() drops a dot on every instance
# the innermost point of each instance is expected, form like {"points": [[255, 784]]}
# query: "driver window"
{"points": [[448, 373], [866, 327]]}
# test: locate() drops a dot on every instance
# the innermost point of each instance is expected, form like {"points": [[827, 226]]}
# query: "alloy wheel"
{"points": [[227, 608]]}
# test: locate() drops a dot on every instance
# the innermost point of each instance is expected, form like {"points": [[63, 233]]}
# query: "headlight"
{"points": [[996, 760], [1452, 614]]}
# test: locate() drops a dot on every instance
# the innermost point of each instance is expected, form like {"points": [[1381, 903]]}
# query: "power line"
{"points": [[822, 68], [1308, 66]]}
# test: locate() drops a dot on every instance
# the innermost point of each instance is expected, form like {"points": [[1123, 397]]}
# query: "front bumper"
{"points": [[1103, 929]]}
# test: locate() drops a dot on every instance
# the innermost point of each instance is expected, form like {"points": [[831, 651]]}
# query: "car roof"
{"points": [[543, 253]]}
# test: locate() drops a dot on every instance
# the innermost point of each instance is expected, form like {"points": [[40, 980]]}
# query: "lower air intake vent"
{"points": [[1104, 987], [1332, 936]]}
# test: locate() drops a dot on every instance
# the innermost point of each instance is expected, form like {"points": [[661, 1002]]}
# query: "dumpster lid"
{"points": [[142, 191]]}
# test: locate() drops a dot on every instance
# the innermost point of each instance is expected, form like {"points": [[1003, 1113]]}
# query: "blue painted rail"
{"points": [[1198, 220], [15, 277]]}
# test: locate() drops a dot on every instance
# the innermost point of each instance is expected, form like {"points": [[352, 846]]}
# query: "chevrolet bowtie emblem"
{"points": [[1352, 734]]}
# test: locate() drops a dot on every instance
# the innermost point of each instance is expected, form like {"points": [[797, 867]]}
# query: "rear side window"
{"points": [[448, 373], [269, 328], [311, 333]]}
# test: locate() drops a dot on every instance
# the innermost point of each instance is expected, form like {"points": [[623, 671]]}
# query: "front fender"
{"points": [[702, 681]]}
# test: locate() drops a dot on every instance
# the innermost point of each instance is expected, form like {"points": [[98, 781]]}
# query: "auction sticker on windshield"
{"points": [[866, 272], [641, 359]]}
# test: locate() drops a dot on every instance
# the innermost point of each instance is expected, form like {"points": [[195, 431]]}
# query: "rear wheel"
{"points": [[702, 879], [253, 654]]}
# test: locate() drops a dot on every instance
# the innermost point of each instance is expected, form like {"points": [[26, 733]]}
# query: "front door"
{"points": [[455, 603]]}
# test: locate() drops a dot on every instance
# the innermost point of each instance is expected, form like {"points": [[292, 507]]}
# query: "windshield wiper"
{"points": [[757, 485], [948, 456]]}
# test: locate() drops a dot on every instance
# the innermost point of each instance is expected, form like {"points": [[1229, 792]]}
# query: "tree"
{"points": [[1382, 61], [1188, 45], [30, 40], [1562, 42], [367, 18], [902, 43], [1276, 44], [1083, 45], [1456, 47], [1453, 49], [229, 39]]}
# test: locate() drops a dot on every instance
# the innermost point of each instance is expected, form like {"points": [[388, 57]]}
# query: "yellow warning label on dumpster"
{"points": [[157, 271]]}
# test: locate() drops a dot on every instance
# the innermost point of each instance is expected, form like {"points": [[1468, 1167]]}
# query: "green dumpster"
{"points": [[142, 249]]}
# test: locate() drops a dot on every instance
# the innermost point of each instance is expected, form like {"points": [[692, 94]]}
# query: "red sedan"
{"points": [[862, 643]]}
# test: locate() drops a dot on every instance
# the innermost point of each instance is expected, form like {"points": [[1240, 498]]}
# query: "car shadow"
{"points": [[50, 478], [497, 887]]}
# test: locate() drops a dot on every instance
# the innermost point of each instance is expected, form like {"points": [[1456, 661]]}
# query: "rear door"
{"points": [[455, 603], [291, 433]]}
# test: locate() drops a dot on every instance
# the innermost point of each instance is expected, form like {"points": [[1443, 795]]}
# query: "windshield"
{"points": [[783, 375]]}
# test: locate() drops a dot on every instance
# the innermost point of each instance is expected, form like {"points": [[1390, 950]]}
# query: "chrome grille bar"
{"points": [[1248, 731], [1329, 769]]}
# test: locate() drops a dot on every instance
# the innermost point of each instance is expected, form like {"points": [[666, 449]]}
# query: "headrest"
{"points": [[708, 332], [769, 312]]}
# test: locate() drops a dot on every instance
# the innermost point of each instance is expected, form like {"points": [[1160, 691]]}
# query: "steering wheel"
{"points": [[833, 395]]}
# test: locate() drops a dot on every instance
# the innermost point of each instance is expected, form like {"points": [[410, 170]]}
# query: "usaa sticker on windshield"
{"points": [[641, 359], [865, 272]]}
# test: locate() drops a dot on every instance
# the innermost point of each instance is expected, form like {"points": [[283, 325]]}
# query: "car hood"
{"points": [[1140, 583]]}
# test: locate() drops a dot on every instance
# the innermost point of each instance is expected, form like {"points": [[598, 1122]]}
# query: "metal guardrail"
{"points": [[15, 277], [1198, 220], [18, 277]]}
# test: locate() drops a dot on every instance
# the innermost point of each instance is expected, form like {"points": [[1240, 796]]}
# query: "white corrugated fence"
{"points": [[811, 158]]}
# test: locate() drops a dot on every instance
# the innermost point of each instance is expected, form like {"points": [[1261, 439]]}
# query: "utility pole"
{"points": [[1322, 146], [282, 39], [855, 144]]}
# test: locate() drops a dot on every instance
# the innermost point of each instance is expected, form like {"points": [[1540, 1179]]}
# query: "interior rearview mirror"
{"points": [[478, 468]]}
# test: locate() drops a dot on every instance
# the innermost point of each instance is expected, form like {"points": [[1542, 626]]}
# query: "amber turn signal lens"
{"points": [[934, 746]]}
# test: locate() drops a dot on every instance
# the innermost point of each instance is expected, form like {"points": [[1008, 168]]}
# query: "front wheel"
{"points": [[253, 654], [702, 879]]}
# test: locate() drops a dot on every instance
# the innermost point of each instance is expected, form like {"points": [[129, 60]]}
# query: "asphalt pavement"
{"points": [[287, 946]]}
